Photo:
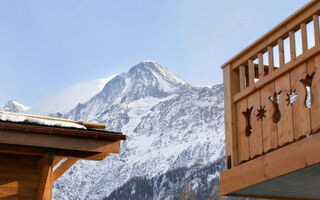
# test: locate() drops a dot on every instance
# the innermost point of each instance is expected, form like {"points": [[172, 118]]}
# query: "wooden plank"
{"points": [[270, 59], [316, 29], [251, 72], [270, 136], [313, 66], [260, 65], [279, 72], [244, 145], [59, 142], [45, 185], [301, 114], [231, 87], [290, 158], [256, 146], [304, 37], [285, 126], [56, 160], [269, 38], [63, 168], [292, 46], [242, 77], [281, 52]]}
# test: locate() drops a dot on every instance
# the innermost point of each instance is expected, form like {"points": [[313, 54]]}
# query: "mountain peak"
{"points": [[158, 71], [15, 106]]}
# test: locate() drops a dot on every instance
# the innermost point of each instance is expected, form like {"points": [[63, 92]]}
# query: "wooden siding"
{"points": [[285, 99]]}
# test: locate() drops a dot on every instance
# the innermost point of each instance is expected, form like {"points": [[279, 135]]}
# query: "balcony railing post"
{"points": [[231, 87]]}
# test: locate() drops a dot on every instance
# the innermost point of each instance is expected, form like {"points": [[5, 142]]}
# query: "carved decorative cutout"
{"points": [[276, 116], [247, 115], [261, 113], [291, 97], [307, 82]]}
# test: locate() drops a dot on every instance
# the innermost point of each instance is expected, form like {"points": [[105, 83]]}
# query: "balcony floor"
{"points": [[291, 172]]}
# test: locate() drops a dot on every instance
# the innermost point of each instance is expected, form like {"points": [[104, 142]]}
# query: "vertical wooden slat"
{"points": [[260, 65], [304, 37], [313, 66], [270, 59], [231, 86], [285, 126], [242, 72], [281, 52], [251, 72], [301, 114], [292, 46], [244, 146], [270, 132], [256, 146], [316, 29]]}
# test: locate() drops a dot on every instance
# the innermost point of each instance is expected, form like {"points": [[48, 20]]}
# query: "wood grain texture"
{"points": [[285, 125], [231, 78], [301, 114], [244, 145], [256, 146], [290, 158], [270, 130], [313, 66]]}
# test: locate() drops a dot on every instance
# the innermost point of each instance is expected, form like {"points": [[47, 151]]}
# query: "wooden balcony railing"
{"points": [[272, 88]]}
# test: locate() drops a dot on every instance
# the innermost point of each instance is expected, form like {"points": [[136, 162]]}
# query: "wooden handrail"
{"points": [[292, 23]]}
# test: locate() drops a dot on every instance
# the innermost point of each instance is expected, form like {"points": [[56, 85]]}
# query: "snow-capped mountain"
{"points": [[175, 138], [15, 106], [66, 99]]}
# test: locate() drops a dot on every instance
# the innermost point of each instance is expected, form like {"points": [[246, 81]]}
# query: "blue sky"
{"points": [[48, 45]]}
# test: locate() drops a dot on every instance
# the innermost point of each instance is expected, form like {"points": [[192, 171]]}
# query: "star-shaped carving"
{"points": [[291, 96], [261, 113]]}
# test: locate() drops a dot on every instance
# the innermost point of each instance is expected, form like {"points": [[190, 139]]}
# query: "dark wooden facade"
{"points": [[29, 152]]}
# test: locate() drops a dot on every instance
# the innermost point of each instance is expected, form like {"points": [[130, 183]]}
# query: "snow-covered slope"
{"points": [[170, 125], [15, 106], [66, 99]]}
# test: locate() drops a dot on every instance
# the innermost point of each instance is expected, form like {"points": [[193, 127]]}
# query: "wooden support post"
{"points": [[56, 160], [231, 87], [251, 72], [270, 59], [316, 29], [63, 168], [292, 46], [45, 185], [242, 71], [260, 65], [281, 52], [304, 37]]}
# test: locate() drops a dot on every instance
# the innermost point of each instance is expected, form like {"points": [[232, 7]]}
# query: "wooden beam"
{"points": [[56, 160], [251, 72], [293, 157], [63, 168], [292, 46], [281, 52], [316, 29], [270, 59], [242, 72], [261, 67], [231, 86], [304, 39], [40, 151], [59, 142], [45, 185]]}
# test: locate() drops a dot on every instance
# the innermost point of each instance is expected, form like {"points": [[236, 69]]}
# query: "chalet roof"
{"points": [[54, 126]]}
